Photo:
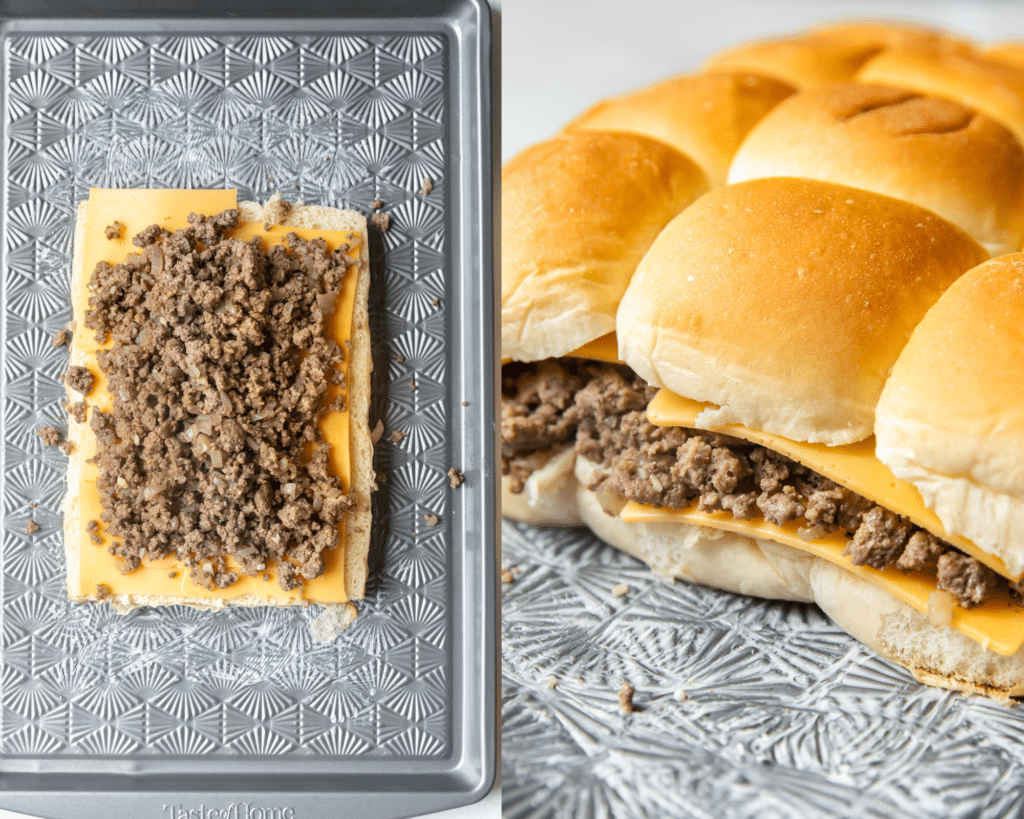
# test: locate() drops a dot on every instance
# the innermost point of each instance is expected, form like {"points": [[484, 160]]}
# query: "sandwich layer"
{"points": [[934, 152], [951, 417], [578, 213], [784, 302], [94, 573]]}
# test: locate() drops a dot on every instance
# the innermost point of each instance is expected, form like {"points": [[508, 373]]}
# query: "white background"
{"points": [[560, 57]]}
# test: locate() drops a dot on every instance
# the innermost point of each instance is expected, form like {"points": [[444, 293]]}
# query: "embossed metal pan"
{"points": [[172, 712]]}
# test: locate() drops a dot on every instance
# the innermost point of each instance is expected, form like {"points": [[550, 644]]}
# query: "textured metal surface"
{"points": [[746, 708], [334, 120]]}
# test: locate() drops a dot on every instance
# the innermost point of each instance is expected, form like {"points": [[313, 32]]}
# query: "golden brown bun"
{"points": [[951, 417], [826, 54], [989, 85], [786, 302], [578, 213], [933, 152], [705, 116], [357, 534], [1011, 53]]}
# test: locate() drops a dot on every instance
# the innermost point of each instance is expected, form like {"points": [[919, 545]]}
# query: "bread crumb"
{"points": [[550, 683], [377, 204], [31, 527], [396, 436], [381, 221], [331, 622], [621, 590], [102, 592], [32, 505], [455, 478], [400, 358], [431, 520], [465, 403], [506, 576], [412, 384], [626, 698], [113, 231], [680, 695], [428, 186], [435, 302]]}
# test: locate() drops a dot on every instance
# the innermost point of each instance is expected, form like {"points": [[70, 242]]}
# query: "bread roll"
{"points": [[826, 54], [991, 86], [1011, 53], [578, 213], [705, 116], [785, 302], [951, 416], [934, 152]]}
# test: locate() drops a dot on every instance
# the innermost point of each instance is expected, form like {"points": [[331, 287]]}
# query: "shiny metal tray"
{"points": [[745, 708], [170, 710]]}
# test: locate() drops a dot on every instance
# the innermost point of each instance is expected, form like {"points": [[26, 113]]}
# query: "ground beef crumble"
{"points": [[604, 407], [218, 370], [79, 379]]}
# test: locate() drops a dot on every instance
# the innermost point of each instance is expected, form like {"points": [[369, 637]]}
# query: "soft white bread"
{"points": [[549, 495], [578, 213], [705, 116], [746, 565], [786, 302], [967, 75], [357, 522], [826, 54], [934, 152], [951, 417]]}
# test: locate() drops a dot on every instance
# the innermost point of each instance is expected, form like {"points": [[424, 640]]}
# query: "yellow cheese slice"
{"points": [[136, 210], [605, 348], [853, 466], [997, 624]]}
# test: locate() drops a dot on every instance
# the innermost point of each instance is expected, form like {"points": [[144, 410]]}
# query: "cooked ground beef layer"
{"points": [[218, 369], [672, 467]]}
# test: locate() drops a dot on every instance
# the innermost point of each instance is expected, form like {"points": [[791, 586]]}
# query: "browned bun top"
{"points": [[825, 54], [931, 151], [705, 116], [578, 213], [951, 418], [992, 86], [1010, 52], [786, 302]]}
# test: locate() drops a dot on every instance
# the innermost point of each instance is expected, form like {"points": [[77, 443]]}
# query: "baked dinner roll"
{"points": [[989, 85], [1011, 53], [578, 213], [951, 416], [785, 302], [826, 54], [706, 116], [934, 152]]}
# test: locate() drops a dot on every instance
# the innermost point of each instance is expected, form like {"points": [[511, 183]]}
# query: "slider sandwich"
{"points": [[219, 394], [769, 316], [578, 213]]}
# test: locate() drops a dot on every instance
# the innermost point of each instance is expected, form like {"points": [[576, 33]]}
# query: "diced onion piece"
{"points": [[377, 432], [940, 608], [157, 258], [248, 550], [809, 533], [208, 568], [216, 458]]}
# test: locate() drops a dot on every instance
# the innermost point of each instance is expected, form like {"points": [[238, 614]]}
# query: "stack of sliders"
{"points": [[728, 438], [219, 395]]}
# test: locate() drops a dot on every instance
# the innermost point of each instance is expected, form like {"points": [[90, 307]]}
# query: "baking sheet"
{"points": [[784, 714], [177, 707]]}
